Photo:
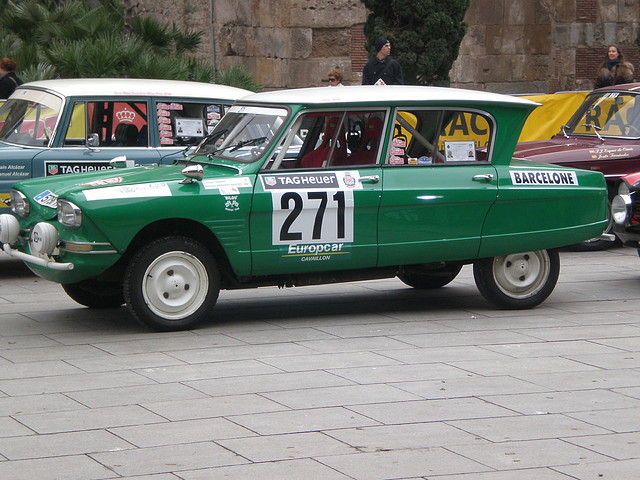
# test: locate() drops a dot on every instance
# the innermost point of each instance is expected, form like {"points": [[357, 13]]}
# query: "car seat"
{"points": [[315, 158], [126, 135], [366, 154]]}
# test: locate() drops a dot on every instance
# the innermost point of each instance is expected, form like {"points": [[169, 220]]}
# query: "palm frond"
{"points": [[236, 76]]}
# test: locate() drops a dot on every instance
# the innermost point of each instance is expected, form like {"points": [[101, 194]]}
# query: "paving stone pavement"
{"points": [[367, 380]]}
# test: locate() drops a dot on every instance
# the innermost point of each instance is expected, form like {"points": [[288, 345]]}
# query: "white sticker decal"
{"points": [[227, 186], [312, 212], [312, 217], [544, 177], [338, 180], [107, 181], [160, 189], [47, 198]]}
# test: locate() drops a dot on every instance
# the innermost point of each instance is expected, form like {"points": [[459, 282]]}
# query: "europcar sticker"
{"points": [[544, 177], [312, 213], [160, 189]]}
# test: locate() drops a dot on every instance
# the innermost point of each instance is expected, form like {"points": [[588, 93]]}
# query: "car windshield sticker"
{"points": [[160, 189], [460, 151], [227, 186], [312, 213], [544, 177], [189, 127], [47, 198]]}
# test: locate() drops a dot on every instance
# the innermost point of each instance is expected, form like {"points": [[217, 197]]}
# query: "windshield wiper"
{"points": [[251, 141], [595, 129], [564, 130]]}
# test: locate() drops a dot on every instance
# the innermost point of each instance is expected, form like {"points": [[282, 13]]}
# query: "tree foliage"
{"points": [[92, 38], [425, 35]]}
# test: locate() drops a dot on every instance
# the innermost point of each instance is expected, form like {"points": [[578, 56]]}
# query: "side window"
{"points": [[431, 137], [108, 124], [334, 139], [186, 123], [76, 134]]}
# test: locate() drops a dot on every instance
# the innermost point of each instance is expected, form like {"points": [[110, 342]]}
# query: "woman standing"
{"points": [[613, 69], [8, 78]]}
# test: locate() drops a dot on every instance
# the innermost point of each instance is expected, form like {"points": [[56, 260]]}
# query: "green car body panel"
{"points": [[270, 219]]}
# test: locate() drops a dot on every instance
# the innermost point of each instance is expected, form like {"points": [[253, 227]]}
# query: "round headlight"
{"points": [[19, 203], [9, 229], [44, 239], [69, 214], [623, 189], [620, 207]]}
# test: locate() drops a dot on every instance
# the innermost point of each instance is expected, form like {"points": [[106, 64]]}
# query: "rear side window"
{"points": [[432, 137], [186, 123]]}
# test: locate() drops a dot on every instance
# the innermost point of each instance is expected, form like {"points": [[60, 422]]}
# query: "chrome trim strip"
{"points": [[93, 252]]}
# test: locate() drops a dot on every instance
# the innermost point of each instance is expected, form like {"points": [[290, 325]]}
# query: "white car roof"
{"points": [[383, 94], [137, 87]]}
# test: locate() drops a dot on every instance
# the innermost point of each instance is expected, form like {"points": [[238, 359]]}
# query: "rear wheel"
{"points": [[172, 284], [95, 294], [518, 281], [427, 278]]}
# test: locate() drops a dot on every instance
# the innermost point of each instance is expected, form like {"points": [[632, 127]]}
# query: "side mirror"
{"points": [[192, 173], [93, 140]]}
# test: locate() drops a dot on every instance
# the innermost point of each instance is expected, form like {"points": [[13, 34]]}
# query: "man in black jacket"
{"points": [[382, 69]]}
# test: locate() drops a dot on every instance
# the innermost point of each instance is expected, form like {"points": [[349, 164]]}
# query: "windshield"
{"points": [[244, 133], [29, 118], [613, 114]]}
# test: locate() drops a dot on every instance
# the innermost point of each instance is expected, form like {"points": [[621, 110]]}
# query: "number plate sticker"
{"points": [[312, 208]]}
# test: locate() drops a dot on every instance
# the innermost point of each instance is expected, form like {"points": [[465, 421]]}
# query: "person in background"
{"points": [[8, 78], [335, 78], [614, 70], [382, 69]]}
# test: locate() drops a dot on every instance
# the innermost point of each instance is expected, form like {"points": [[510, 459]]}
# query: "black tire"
{"points": [[425, 278], [518, 281], [95, 294], [172, 284]]}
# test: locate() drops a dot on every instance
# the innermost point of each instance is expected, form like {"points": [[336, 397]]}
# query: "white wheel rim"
{"points": [[521, 275], [175, 285]]}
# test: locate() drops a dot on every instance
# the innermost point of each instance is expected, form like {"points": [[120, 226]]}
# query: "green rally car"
{"points": [[311, 186]]}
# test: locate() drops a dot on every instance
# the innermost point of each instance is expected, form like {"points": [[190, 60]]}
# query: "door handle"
{"points": [[483, 178], [370, 179]]}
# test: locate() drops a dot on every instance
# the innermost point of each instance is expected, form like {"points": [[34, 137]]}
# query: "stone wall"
{"points": [[512, 46], [522, 46]]}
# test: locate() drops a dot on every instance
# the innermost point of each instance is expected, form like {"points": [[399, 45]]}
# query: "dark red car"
{"points": [[603, 135]]}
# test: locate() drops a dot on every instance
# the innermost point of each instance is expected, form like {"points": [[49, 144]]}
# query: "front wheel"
{"points": [[518, 281], [172, 284]]}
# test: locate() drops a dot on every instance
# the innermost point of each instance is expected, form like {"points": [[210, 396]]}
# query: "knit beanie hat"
{"points": [[380, 42]]}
